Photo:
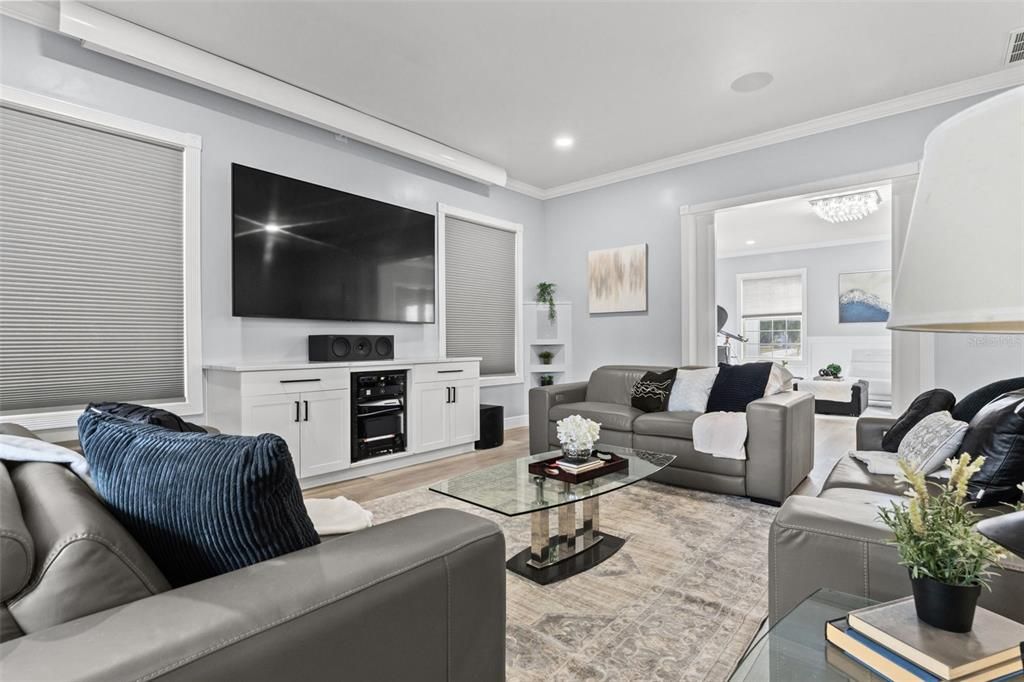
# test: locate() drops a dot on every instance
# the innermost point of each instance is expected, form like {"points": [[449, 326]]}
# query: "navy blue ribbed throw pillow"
{"points": [[200, 505]]}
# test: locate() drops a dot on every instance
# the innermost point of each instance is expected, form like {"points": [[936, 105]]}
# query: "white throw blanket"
{"points": [[337, 516], [835, 391], [887, 463], [721, 434], [22, 449]]}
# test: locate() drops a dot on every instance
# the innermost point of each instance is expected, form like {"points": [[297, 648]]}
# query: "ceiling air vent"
{"points": [[1015, 51]]}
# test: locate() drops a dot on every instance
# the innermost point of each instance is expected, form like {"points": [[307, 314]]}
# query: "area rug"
{"points": [[680, 601]]}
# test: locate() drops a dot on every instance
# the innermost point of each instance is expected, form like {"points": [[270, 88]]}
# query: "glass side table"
{"points": [[794, 648]]}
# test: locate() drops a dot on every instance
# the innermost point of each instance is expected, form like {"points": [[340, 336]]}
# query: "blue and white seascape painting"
{"points": [[865, 296]]}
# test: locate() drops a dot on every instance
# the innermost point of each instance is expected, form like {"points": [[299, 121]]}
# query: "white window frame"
{"points": [[802, 272], [443, 211], [191, 147]]}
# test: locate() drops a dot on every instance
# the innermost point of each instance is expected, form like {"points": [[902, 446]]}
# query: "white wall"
{"points": [[53, 65]]}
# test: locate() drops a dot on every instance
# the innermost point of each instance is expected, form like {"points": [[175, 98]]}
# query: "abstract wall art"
{"points": [[865, 296], [617, 279]]}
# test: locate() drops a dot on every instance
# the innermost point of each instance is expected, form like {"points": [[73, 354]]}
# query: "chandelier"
{"points": [[845, 208]]}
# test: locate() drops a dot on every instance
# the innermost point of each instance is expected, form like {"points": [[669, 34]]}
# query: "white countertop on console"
{"points": [[283, 366]]}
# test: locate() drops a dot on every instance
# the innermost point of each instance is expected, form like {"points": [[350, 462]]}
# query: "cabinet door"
{"points": [[428, 414], [465, 412], [326, 425], [277, 414]]}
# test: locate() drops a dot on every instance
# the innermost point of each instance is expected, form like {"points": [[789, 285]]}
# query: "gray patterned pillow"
{"points": [[932, 441]]}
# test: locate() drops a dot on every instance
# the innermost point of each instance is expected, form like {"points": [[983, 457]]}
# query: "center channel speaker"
{"points": [[350, 347]]}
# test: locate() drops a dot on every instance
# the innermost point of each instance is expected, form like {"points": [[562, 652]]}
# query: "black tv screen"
{"points": [[305, 251]]}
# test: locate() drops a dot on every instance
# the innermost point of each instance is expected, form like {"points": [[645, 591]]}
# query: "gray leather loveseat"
{"points": [[419, 598], [780, 434], [836, 540]]}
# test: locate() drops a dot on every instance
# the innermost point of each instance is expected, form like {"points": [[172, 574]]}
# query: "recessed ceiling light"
{"points": [[564, 142], [750, 82], [271, 227], [751, 242]]}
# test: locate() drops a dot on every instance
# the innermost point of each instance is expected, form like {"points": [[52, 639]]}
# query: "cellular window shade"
{"points": [[773, 296], [480, 295], [91, 270]]}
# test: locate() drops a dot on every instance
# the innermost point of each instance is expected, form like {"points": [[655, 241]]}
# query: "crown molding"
{"points": [[525, 188], [999, 80], [45, 15], [809, 246]]}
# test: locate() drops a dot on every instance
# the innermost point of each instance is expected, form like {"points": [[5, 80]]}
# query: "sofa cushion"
{"points": [[970, 405], [874, 498], [849, 473], [85, 561], [932, 441], [929, 402], [997, 434], [16, 548], [670, 424], [736, 386], [613, 383], [691, 389], [688, 458], [608, 415], [650, 392]]}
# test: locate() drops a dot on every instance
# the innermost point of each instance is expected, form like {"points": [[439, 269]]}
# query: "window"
{"points": [[481, 263], [772, 309], [98, 294]]}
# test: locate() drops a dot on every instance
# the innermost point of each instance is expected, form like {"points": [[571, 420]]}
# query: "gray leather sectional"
{"points": [[836, 540], [780, 441], [419, 598]]}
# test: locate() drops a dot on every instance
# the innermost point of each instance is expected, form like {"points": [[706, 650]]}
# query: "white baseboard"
{"points": [[517, 421]]}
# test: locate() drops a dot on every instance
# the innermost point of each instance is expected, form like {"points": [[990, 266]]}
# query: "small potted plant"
{"points": [[577, 435], [547, 380], [949, 562], [546, 294], [831, 371], [545, 357]]}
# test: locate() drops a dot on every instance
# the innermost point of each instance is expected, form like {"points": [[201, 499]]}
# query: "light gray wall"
{"points": [[49, 64], [647, 210], [823, 266]]}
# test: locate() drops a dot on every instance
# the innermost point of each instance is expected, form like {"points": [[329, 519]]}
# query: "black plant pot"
{"points": [[947, 607]]}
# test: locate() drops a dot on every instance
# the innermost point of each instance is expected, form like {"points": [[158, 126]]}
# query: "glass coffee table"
{"points": [[510, 489]]}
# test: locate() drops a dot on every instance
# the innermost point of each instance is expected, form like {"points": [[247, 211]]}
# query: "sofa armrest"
{"points": [[780, 444], [422, 598], [817, 542], [542, 399], [870, 431]]}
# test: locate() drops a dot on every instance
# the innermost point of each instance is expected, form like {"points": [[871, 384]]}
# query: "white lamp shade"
{"points": [[962, 268]]}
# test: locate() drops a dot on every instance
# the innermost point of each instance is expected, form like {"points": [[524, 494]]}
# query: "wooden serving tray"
{"points": [[616, 463]]}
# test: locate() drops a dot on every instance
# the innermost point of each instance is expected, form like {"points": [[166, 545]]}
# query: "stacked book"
{"points": [[579, 467], [888, 641]]}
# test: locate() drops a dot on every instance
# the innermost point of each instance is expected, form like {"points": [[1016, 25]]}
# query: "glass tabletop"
{"points": [[795, 648], [510, 489]]}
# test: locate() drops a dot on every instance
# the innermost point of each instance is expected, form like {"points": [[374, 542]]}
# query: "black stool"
{"points": [[492, 427]]}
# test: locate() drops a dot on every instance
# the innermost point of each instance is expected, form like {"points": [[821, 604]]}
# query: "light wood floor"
{"points": [[833, 438]]}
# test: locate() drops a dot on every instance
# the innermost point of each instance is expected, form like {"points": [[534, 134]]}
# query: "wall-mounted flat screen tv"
{"points": [[305, 251]]}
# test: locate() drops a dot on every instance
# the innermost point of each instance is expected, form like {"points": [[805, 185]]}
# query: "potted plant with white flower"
{"points": [[577, 435], [948, 560]]}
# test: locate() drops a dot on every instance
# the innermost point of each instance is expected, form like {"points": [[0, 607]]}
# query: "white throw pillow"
{"points": [[691, 390], [780, 379], [932, 441]]}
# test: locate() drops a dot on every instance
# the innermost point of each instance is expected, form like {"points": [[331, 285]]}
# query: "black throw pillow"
{"points": [[929, 402], [147, 415], [736, 386], [997, 434], [971, 404], [650, 394]]}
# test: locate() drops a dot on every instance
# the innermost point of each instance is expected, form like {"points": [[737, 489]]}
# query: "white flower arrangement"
{"points": [[578, 433]]}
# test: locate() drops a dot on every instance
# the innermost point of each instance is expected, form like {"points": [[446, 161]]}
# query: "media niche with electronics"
{"points": [[303, 251]]}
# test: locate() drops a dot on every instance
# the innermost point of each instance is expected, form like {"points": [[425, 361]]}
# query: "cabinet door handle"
{"points": [[450, 400], [296, 410], [305, 404], [455, 396]]}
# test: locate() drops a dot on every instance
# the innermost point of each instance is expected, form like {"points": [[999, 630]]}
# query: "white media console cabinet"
{"points": [[309, 405]]}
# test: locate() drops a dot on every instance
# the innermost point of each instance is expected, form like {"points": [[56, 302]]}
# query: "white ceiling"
{"points": [[789, 224], [631, 82]]}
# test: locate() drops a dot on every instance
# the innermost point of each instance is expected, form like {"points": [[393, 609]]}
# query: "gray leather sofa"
{"points": [[780, 440], [836, 540], [419, 598]]}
